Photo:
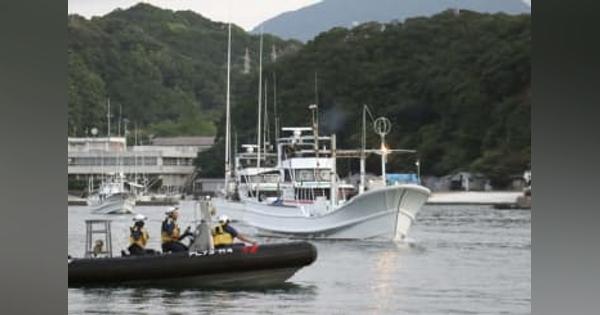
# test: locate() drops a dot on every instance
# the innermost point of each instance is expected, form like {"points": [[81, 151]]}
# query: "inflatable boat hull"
{"points": [[250, 266]]}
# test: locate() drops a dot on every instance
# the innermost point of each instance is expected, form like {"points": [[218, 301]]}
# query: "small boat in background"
{"points": [[155, 199], [114, 196]]}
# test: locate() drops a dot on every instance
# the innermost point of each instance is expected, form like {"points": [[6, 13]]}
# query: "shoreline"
{"points": [[498, 199]]}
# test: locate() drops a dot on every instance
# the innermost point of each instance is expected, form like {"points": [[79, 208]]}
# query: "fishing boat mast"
{"points": [[258, 134], [266, 134], [333, 177], [315, 120], [108, 117], [228, 116], [363, 147], [276, 120]]}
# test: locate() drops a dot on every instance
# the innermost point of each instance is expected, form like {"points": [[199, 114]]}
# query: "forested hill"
{"points": [[166, 70], [307, 22], [455, 86]]}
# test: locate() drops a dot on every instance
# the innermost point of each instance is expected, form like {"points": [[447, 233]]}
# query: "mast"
{"points": [[266, 133], [316, 117], [361, 186], [333, 178], [383, 158], [135, 176], [258, 136], [119, 122], [235, 145], [108, 117], [316, 89], [228, 116], [275, 107], [107, 144]]}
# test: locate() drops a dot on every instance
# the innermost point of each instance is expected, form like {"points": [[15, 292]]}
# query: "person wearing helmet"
{"points": [[171, 234], [138, 236], [224, 234]]}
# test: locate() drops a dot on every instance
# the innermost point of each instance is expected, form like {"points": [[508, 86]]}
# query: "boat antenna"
{"points": [[228, 115], [361, 187], [266, 133], [275, 106], [258, 136], [235, 145], [316, 89], [315, 116], [120, 118], [135, 172], [108, 116]]}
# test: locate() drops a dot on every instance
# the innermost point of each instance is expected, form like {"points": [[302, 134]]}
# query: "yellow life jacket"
{"points": [[138, 236], [221, 237], [173, 236]]}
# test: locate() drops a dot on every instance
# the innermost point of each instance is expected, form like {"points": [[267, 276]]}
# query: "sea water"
{"points": [[456, 260]]}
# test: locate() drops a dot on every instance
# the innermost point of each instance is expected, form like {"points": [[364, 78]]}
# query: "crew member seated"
{"points": [[98, 248], [171, 234], [224, 234], [138, 237]]}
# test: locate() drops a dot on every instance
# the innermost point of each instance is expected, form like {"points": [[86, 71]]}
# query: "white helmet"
{"points": [[171, 210], [139, 217], [223, 219]]}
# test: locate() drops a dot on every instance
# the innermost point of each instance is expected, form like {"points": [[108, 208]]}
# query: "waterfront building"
{"points": [[169, 160]]}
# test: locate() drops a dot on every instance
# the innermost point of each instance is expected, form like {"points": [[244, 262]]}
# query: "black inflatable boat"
{"points": [[245, 266]]}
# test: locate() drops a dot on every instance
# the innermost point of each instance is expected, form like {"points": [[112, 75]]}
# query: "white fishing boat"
{"points": [[294, 190], [304, 197], [114, 196]]}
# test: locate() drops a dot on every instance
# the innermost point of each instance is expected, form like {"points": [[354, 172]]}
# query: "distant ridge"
{"points": [[305, 23], [165, 67]]}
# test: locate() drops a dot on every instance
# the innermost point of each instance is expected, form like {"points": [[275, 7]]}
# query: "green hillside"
{"points": [[165, 69], [457, 88]]}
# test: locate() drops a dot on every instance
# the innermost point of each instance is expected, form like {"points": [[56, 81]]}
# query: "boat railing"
{"points": [[98, 247]]}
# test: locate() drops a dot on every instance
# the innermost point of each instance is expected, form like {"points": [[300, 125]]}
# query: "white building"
{"points": [[167, 159]]}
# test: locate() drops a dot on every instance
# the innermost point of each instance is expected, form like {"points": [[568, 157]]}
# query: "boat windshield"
{"points": [[250, 161], [313, 175]]}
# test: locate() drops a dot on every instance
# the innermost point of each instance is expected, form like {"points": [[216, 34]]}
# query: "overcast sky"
{"points": [[245, 13]]}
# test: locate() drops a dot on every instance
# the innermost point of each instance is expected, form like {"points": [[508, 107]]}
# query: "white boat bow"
{"points": [[385, 213]]}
